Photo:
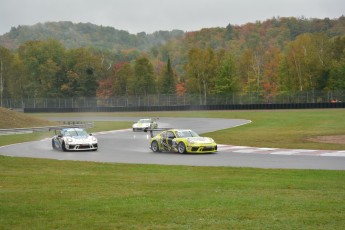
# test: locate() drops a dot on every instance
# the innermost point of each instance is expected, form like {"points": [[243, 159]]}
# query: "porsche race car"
{"points": [[144, 124], [74, 139], [182, 141]]}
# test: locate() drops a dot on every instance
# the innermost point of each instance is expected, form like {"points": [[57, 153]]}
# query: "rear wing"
{"points": [[57, 129], [155, 130]]}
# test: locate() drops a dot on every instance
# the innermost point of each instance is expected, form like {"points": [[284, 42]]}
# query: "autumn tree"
{"points": [[6, 64], [43, 67], [226, 76], [250, 71], [82, 73], [337, 73], [201, 70], [124, 80], [270, 77], [307, 61], [144, 77], [16, 81]]}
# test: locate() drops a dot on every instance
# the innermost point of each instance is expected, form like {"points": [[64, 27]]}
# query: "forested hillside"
{"points": [[72, 35], [268, 59]]}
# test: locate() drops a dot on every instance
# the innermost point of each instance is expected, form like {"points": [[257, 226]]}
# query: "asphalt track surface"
{"points": [[126, 146]]}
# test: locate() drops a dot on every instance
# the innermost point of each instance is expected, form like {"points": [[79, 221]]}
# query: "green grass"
{"points": [[51, 194], [285, 129]]}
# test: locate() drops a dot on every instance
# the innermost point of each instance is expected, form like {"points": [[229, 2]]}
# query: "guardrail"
{"points": [[66, 124]]}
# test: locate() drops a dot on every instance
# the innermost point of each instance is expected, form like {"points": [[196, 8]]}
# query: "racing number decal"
{"points": [[168, 140]]}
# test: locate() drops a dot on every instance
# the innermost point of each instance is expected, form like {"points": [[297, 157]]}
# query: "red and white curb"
{"points": [[278, 151]]}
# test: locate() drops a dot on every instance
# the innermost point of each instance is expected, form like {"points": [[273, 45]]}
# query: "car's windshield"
{"points": [[144, 121], [75, 132], [186, 133]]}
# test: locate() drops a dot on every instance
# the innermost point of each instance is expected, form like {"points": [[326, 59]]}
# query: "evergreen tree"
{"points": [[168, 84]]}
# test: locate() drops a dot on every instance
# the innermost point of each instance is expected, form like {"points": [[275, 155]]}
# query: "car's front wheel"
{"points": [[63, 146], [53, 144], [155, 146], [181, 147]]}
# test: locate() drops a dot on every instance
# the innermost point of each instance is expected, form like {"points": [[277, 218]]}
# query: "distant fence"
{"points": [[194, 107], [283, 100]]}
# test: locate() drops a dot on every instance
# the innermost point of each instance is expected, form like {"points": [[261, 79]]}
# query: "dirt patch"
{"points": [[339, 139]]}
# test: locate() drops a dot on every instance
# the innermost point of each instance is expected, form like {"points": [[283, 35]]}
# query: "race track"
{"points": [[126, 146]]}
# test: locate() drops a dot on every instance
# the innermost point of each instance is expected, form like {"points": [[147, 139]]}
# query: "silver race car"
{"points": [[74, 139], [145, 123]]}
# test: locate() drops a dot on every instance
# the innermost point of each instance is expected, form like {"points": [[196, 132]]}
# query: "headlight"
{"points": [[190, 141], [69, 139], [94, 139]]}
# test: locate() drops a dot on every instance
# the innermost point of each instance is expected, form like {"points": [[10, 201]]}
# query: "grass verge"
{"points": [[51, 194]]}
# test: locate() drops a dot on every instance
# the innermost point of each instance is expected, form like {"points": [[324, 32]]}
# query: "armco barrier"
{"points": [[190, 107], [66, 124]]}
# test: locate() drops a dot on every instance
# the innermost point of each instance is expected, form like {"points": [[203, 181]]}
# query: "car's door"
{"points": [[169, 138]]}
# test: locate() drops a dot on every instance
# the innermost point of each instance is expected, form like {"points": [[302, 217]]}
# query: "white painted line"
{"points": [[267, 149], [334, 154], [283, 153], [240, 147], [247, 151], [304, 150]]}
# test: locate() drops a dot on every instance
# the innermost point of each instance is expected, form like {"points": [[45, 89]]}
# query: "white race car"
{"points": [[144, 124], [74, 139]]}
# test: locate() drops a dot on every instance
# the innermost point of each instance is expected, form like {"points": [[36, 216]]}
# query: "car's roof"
{"points": [[145, 119], [72, 129], [179, 130]]}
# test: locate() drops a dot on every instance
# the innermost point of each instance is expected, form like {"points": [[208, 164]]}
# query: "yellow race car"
{"points": [[182, 141]]}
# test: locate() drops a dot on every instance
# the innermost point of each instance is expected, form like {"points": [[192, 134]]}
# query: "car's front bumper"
{"points": [[201, 149], [80, 147], [139, 128]]}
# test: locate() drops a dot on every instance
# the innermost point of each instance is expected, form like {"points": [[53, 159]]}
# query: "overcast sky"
{"points": [[148, 16]]}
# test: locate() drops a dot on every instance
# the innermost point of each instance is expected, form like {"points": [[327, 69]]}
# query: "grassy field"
{"points": [[52, 194]]}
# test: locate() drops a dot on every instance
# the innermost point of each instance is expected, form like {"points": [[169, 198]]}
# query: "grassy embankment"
{"points": [[51, 194]]}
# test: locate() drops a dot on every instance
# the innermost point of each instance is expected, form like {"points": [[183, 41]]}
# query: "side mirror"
{"points": [[60, 135]]}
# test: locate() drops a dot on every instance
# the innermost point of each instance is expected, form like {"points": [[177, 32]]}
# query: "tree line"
{"points": [[214, 61]]}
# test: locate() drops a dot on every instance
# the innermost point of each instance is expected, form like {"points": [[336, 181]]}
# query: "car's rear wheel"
{"points": [[181, 147], [155, 146]]}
